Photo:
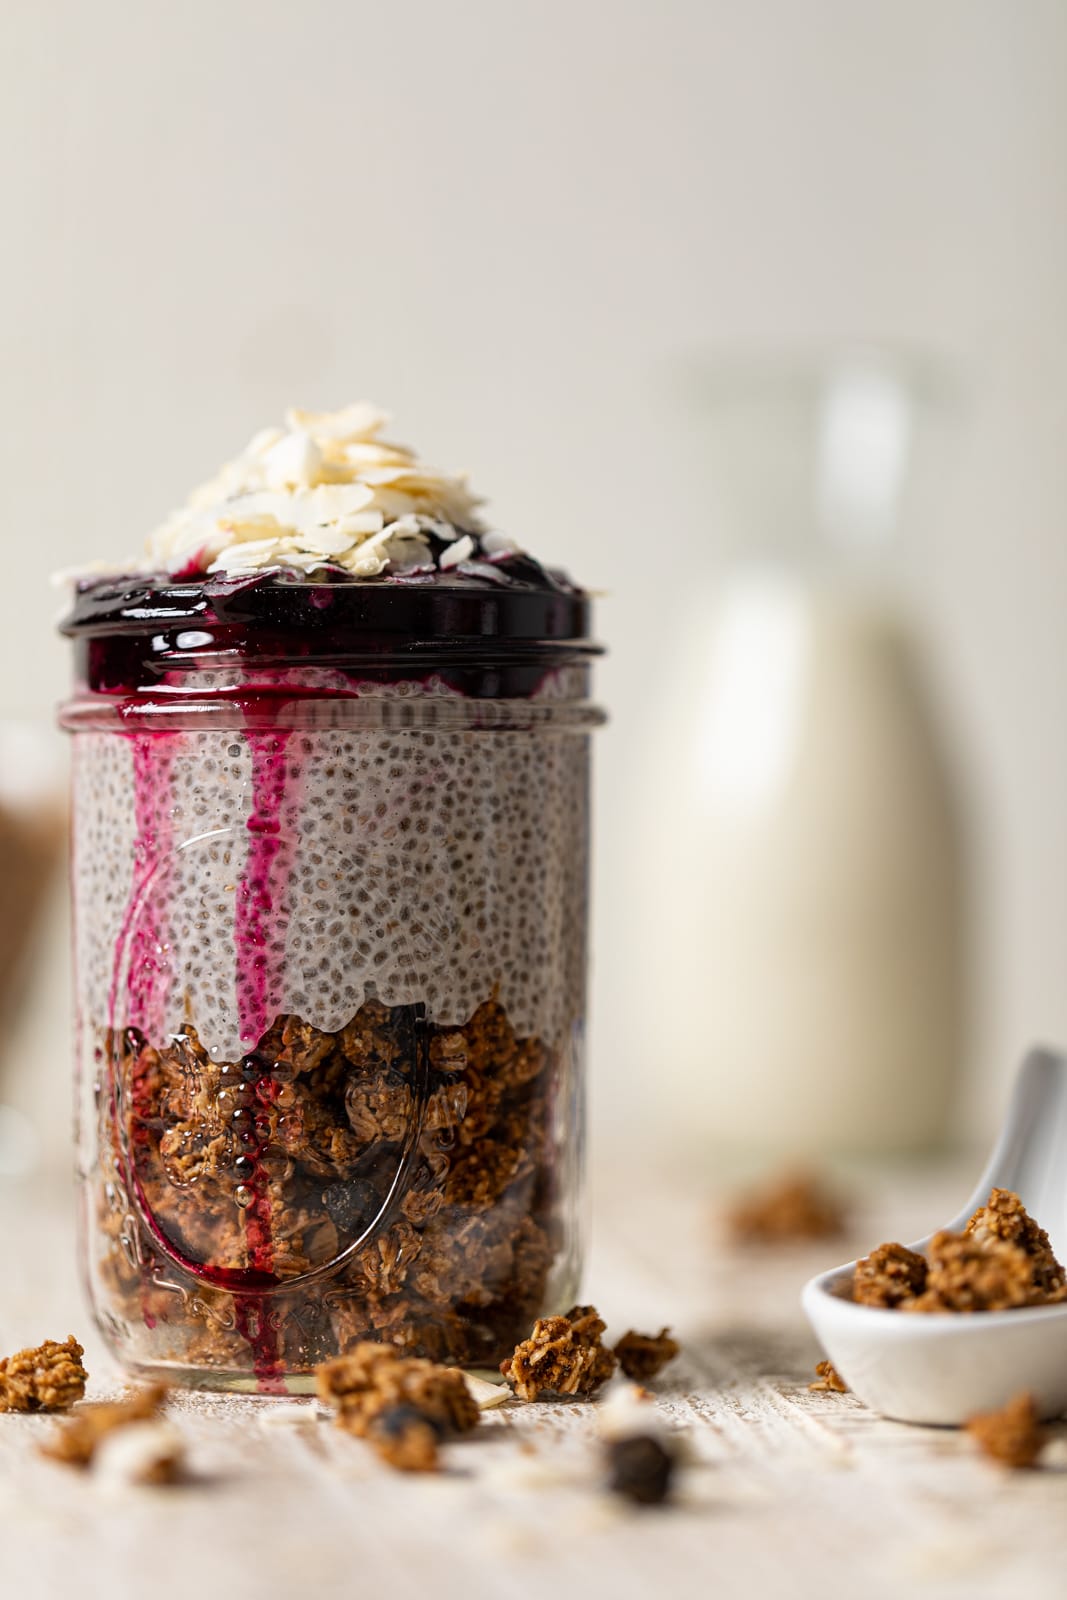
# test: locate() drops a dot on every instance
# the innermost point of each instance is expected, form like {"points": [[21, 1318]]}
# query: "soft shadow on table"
{"points": [[742, 1350]]}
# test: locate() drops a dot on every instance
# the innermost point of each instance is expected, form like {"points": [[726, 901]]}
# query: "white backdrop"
{"points": [[509, 222]]}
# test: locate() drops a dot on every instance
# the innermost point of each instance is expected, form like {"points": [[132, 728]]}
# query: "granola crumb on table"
{"points": [[405, 1438], [76, 1441], [49, 1377], [1001, 1260], [402, 1404], [828, 1380], [1011, 1435], [563, 1356], [795, 1205], [643, 1355]]}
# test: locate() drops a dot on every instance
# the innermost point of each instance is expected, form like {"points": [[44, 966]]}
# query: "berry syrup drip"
{"points": [[252, 1307], [259, 937], [259, 929]]}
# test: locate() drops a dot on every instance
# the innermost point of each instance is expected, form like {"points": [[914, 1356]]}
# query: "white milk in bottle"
{"points": [[808, 980]]}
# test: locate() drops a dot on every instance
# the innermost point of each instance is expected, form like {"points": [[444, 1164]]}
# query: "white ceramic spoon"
{"points": [[942, 1368]]}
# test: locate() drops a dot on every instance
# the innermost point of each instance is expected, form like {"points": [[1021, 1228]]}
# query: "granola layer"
{"points": [[392, 1181]]}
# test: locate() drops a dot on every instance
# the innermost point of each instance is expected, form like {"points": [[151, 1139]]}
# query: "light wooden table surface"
{"points": [[790, 1493]]}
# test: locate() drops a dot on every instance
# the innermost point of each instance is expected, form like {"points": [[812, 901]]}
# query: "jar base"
{"points": [[288, 1386]]}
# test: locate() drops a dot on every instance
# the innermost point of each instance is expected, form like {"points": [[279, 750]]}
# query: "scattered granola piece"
{"points": [[968, 1274], [48, 1378], [889, 1276], [563, 1356], [793, 1206], [405, 1438], [642, 1355], [640, 1468], [375, 1378], [1004, 1217], [76, 1442], [142, 1453], [828, 1379], [1011, 1435]]}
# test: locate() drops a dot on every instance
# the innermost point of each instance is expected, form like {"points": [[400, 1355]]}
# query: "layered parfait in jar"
{"points": [[330, 799]]}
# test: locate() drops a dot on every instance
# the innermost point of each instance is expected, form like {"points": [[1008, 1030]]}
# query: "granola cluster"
{"points": [[793, 1206], [890, 1276], [828, 1380], [563, 1356], [413, 1161], [642, 1356], [50, 1377], [1011, 1435], [403, 1405], [1001, 1260], [1004, 1219]]}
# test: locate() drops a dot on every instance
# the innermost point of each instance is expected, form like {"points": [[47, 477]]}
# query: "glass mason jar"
{"points": [[330, 887]]}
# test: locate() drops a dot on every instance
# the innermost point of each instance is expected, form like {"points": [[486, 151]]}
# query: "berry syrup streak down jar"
{"points": [[330, 884]]}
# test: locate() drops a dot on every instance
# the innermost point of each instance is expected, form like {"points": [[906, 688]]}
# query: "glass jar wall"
{"points": [[330, 929]]}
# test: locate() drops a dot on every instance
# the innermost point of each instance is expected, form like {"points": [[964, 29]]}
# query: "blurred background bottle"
{"points": [[33, 830], [805, 896]]}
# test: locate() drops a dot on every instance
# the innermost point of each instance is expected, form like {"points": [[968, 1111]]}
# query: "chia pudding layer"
{"points": [[353, 825], [330, 879]]}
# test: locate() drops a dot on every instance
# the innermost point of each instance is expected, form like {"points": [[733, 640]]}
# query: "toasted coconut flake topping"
{"points": [[326, 489]]}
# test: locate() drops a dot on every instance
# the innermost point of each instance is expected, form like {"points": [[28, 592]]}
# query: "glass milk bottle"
{"points": [[811, 875]]}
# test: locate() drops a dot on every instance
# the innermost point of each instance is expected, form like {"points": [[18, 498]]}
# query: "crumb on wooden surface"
{"points": [[828, 1380], [644, 1355], [76, 1441], [793, 1205], [1011, 1435]]}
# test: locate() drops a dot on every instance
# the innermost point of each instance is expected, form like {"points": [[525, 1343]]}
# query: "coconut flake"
{"points": [[460, 551], [495, 543], [361, 420], [327, 485], [626, 1412], [326, 541], [486, 1396], [141, 1453], [295, 462]]}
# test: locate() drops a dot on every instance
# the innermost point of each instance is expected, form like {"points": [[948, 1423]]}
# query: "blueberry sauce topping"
{"points": [[486, 638]]}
